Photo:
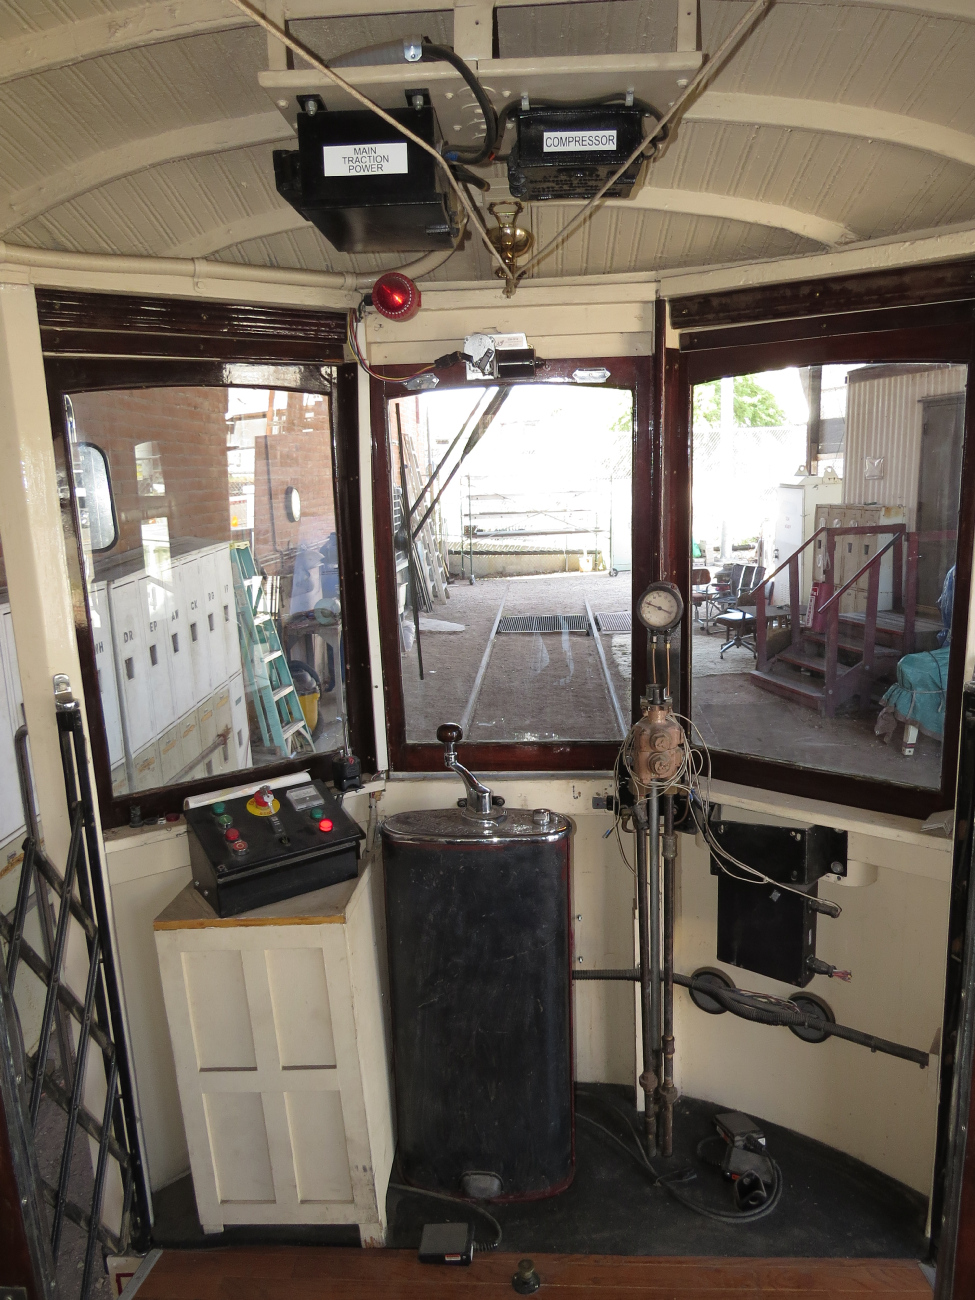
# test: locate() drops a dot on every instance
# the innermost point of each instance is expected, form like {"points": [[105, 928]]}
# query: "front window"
{"points": [[511, 519]]}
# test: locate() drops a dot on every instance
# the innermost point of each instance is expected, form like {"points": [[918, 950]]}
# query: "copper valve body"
{"points": [[657, 747]]}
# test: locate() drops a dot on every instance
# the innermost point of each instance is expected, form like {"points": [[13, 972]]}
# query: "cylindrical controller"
{"points": [[477, 916]]}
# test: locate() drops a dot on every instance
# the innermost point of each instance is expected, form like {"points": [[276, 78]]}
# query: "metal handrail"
{"points": [[898, 536], [839, 532], [785, 564]]}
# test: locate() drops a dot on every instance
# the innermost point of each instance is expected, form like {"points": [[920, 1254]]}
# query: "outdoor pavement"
{"points": [[551, 687]]}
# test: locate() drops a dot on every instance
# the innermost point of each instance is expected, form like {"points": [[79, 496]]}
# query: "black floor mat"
{"points": [[831, 1205]]}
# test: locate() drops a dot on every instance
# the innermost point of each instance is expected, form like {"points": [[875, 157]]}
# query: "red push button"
{"points": [[239, 845], [231, 835], [325, 824]]}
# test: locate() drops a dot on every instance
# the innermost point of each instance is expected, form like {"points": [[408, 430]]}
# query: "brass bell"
{"points": [[512, 241]]}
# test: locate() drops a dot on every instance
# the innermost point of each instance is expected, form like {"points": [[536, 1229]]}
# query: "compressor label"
{"points": [[365, 159], [578, 141]]}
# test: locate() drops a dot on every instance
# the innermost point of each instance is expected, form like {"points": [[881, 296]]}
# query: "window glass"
{"points": [[215, 617], [511, 521], [825, 523]]}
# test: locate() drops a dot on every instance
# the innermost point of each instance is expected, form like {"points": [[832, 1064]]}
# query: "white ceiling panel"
{"points": [[98, 148], [48, 122], [857, 54], [597, 27]]}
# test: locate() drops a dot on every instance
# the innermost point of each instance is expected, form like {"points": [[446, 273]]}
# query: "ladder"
{"points": [[429, 561], [269, 683]]}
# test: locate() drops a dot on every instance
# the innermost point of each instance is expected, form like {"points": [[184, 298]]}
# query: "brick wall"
{"points": [[190, 427], [297, 453]]}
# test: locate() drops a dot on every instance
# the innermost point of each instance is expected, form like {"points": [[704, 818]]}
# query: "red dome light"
{"points": [[396, 296], [325, 824]]}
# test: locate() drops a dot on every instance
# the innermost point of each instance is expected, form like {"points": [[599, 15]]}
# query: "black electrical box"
{"points": [[367, 188], [761, 927], [570, 153], [258, 849]]}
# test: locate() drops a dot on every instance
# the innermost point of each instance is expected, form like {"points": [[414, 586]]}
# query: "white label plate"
{"points": [[578, 141], [365, 159]]}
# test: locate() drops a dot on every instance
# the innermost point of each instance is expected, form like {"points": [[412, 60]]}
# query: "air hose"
{"points": [[459, 1204]]}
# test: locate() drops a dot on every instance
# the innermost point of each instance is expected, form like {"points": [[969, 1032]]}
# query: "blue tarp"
{"points": [[918, 696]]}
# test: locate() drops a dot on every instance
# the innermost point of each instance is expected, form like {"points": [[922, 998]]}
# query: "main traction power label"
{"points": [[365, 159], [578, 141]]}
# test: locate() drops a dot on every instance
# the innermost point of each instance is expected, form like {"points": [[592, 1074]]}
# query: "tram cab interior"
{"points": [[487, 733]]}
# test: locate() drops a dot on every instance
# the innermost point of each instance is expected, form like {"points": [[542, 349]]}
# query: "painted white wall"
{"points": [[881, 1110], [891, 935]]}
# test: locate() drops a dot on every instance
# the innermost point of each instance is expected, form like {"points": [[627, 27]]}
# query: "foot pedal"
{"points": [[447, 1243]]}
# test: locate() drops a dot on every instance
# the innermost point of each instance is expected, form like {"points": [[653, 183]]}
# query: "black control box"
{"points": [[761, 927], [570, 153], [366, 187], [270, 845]]}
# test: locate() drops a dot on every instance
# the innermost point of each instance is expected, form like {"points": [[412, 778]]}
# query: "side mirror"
{"points": [[96, 505]]}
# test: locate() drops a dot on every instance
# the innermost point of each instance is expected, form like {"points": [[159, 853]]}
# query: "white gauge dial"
{"points": [[660, 607]]}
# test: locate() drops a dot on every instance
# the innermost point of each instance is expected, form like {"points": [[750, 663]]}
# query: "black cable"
{"points": [[469, 178], [670, 1182], [465, 1205], [456, 153], [731, 1216]]}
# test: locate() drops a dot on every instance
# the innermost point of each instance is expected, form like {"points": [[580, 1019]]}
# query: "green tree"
{"points": [[754, 405]]}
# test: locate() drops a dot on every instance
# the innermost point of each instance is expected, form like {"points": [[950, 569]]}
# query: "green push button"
{"points": [[218, 808], [224, 819], [317, 814]]}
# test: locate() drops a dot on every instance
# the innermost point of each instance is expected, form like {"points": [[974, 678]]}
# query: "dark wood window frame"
{"points": [[625, 372], [922, 331], [101, 342]]}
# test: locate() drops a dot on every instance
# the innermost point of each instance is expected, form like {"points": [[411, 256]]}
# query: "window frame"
{"points": [[158, 335], [941, 332], [636, 373]]}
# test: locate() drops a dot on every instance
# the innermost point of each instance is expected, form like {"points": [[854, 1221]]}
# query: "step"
{"points": [[282, 691], [811, 663], [274, 654], [850, 647], [799, 692], [262, 618], [292, 727], [856, 647]]}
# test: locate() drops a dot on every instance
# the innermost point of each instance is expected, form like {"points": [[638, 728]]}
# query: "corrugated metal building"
{"points": [[884, 422]]}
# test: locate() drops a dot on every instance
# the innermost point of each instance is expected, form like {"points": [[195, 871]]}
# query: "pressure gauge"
{"points": [[660, 608]]}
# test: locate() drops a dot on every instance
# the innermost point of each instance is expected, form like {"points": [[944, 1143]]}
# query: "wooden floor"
{"points": [[289, 1273]]}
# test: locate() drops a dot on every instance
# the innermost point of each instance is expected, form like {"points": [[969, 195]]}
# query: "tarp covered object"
{"points": [[918, 696]]}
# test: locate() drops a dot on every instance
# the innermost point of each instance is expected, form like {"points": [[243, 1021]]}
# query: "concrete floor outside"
{"points": [[551, 686]]}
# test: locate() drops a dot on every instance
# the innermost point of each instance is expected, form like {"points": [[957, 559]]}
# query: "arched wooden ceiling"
{"points": [[140, 128]]}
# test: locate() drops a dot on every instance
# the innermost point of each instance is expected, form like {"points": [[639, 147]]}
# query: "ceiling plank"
{"points": [[258, 225], [730, 207], [695, 203], [835, 119], [123, 29], [350, 8], [135, 156]]}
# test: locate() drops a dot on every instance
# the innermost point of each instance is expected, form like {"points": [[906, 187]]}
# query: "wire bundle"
{"points": [[674, 1183]]}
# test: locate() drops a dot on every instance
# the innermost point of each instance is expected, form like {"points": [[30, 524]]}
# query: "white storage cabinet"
{"points": [[277, 1030]]}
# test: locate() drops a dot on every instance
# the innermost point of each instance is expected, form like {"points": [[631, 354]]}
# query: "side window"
{"points": [[215, 609], [825, 532]]}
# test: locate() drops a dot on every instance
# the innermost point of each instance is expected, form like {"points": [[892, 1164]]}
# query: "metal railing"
{"points": [[78, 894], [872, 567]]}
